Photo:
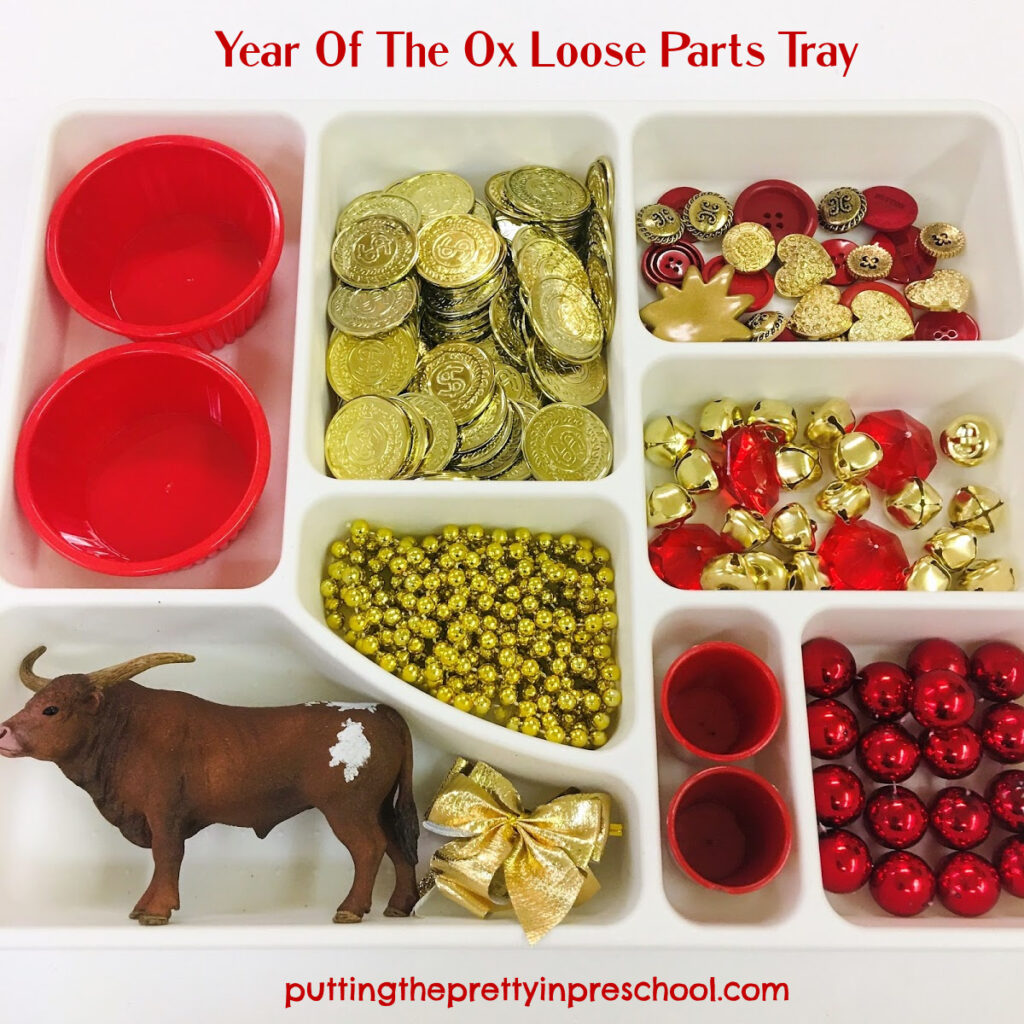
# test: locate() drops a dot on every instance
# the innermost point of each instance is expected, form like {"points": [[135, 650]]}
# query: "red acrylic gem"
{"points": [[679, 553], [907, 447], [749, 470], [863, 556]]}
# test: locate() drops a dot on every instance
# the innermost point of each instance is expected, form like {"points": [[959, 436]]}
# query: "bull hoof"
{"points": [[347, 917], [396, 912], [145, 918]]}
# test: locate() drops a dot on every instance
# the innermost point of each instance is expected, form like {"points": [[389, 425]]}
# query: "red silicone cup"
{"points": [[729, 829], [168, 238], [142, 459], [721, 702]]}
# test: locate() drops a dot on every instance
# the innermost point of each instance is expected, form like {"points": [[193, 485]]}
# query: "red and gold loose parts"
{"points": [[512, 626], [716, 265], [753, 458]]}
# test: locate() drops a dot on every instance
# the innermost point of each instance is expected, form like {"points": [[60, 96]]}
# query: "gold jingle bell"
{"points": [[775, 413], [845, 499], [806, 573], [669, 503], [717, 418], [727, 572], [953, 547], [829, 422], [695, 472], [993, 575], [745, 527], [978, 508], [969, 441], [928, 574], [667, 439], [855, 455], [913, 504], [797, 466], [768, 572], [793, 528]]}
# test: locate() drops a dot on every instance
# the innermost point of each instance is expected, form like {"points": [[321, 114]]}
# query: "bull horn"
{"points": [[28, 677], [126, 669]]}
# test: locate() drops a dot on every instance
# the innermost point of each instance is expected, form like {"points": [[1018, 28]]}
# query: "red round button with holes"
{"points": [[677, 198], [667, 264], [854, 290], [909, 262], [889, 208], [838, 249], [760, 284], [782, 207], [947, 327]]}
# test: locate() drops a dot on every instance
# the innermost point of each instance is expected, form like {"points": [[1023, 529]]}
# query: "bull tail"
{"points": [[406, 817]]}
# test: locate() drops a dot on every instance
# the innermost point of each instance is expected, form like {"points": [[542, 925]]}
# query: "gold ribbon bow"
{"points": [[538, 862]]}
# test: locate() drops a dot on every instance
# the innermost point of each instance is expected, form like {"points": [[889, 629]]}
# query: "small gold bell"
{"points": [[845, 499], [669, 503], [969, 441], [855, 455], [978, 508], [992, 575], [667, 439], [953, 547], [745, 527], [806, 573], [775, 413], [913, 504], [929, 574], [829, 421], [797, 466], [793, 528], [726, 572], [695, 473], [768, 572], [719, 417]]}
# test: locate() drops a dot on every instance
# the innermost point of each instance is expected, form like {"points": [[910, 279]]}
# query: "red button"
{"points": [[873, 286], [760, 284], [838, 249], [909, 263], [667, 264], [889, 208], [677, 198], [947, 327], [782, 207]]}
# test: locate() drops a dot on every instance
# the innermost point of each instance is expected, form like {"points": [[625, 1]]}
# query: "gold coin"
{"points": [[444, 434], [363, 312], [519, 470], [382, 365], [574, 383], [482, 456], [525, 235], [546, 193], [483, 430], [436, 193], [602, 287], [457, 250], [374, 251], [748, 246], [515, 384], [942, 240], [481, 213], [391, 205], [421, 435], [567, 442], [601, 185], [461, 375], [842, 208], [550, 257], [566, 320], [506, 322], [707, 215], [599, 237], [368, 439], [496, 197], [510, 453]]}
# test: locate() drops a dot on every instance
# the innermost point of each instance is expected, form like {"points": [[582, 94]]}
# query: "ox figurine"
{"points": [[162, 765]]}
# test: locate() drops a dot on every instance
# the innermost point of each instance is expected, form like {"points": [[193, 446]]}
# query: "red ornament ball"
{"points": [[902, 884], [882, 691], [896, 817], [1005, 796], [960, 818], [838, 795], [941, 699], [845, 861], [936, 653], [832, 728], [888, 753], [951, 753], [1002, 732], [967, 884], [829, 668], [997, 670], [1009, 862]]}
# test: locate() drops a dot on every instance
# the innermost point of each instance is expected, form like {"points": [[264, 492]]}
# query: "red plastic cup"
{"points": [[729, 829], [169, 238], [721, 702], [142, 459]]}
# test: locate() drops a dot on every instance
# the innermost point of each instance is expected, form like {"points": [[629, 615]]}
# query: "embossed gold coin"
{"points": [[549, 257], [487, 425], [363, 312], [547, 193], [461, 375], [602, 287], [444, 434], [368, 439], [567, 442], [574, 383], [600, 181], [457, 250], [389, 204], [374, 251], [436, 193], [566, 319], [382, 365], [506, 316]]}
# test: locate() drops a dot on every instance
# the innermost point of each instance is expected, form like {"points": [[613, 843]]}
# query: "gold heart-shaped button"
{"points": [[945, 290], [804, 265], [880, 317], [818, 315]]}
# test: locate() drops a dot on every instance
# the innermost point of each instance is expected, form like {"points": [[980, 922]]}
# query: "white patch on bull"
{"points": [[341, 705], [352, 749]]}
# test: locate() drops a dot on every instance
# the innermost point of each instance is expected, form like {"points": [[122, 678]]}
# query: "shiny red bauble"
{"points": [[941, 699], [1009, 862], [960, 818], [951, 753], [936, 653], [832, 728], [1002, 732], [829, 668], [888, 753], [997, 670], [1005, 796], [902, 884], [896, 817], [845, 861], [882, 691], [838, 795], [966, 884]]}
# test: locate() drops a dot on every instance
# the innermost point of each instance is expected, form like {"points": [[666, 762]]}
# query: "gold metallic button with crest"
{"points": [[707, 215], [942, 240], [842, 209]]}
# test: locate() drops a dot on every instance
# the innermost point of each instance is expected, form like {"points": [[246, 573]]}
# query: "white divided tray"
{"points": [[252, 614]]}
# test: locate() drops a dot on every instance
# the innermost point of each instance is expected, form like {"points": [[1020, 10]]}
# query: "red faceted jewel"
{"points": [[907, 447], [679, 553], [863, 556], [749, 473]]}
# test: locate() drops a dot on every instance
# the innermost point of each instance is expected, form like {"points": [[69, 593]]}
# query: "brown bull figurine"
{"points": [[162, 765]]}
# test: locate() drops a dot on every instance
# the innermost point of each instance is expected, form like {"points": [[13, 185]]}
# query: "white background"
{"points": [[59, 53]]}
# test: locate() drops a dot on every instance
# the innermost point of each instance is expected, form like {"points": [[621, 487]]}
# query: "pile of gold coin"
{"points": [[509, 625], [468, 336]]}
